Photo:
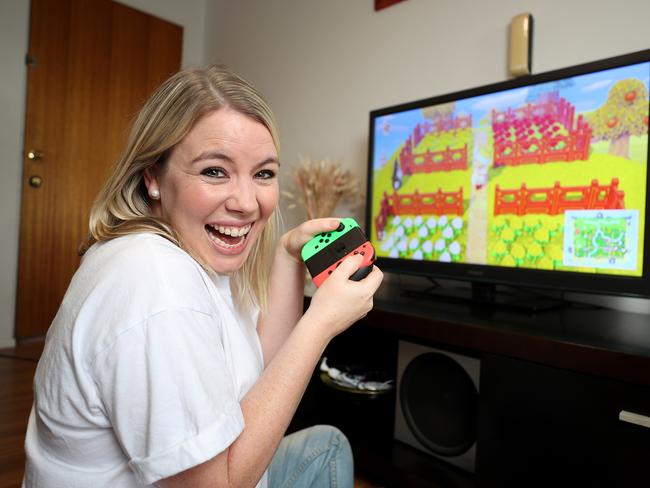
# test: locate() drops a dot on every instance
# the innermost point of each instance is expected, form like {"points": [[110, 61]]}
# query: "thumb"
{"points": [[349, 265]]}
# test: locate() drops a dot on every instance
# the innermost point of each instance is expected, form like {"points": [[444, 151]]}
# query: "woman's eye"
{"points": [[214, 172], [266, 174]]}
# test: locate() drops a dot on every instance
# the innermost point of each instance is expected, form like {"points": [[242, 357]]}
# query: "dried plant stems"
{"points": [[321, 185]]}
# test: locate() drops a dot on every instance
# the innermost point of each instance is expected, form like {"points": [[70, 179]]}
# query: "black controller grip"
{"points": [[361, 273]]}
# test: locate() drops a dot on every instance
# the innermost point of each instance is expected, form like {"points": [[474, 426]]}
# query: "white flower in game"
{"points": [[387, 245], [408, 225], [454, 248]]}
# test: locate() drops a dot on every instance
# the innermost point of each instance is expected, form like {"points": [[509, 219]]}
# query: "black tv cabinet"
{"points": [[552, 388]]}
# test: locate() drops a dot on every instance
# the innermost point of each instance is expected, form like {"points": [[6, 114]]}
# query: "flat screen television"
{"points": [[538, 181]]}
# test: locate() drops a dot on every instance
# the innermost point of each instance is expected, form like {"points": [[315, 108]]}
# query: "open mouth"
{"points": [[228, 237]]}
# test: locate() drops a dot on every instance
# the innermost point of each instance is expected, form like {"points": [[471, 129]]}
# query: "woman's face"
{"points": [[219, 187]]}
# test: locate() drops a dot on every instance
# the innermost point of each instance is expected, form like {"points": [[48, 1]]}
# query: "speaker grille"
{"points": [[440, 404]]}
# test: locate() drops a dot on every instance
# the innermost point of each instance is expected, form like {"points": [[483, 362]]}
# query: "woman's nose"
{"points": [[242, 197]]}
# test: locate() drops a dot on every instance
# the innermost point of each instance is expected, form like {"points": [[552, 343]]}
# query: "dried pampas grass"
{"points": [[321, 186]]}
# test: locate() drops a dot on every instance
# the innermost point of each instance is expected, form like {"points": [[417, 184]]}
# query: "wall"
{"points": [[14, 36], [14, 25], [323, 65]]}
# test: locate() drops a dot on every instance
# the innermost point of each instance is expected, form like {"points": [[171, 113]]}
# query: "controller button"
{"points": [[363, 253], [329, 272], [340, 227], [321, 240], [329, 234], [317, 246]]}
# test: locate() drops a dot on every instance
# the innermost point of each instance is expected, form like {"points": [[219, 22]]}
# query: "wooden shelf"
{"points": [[602, 342]]}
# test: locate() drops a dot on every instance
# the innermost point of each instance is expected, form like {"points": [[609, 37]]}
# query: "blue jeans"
{"points": [[317, 457]]}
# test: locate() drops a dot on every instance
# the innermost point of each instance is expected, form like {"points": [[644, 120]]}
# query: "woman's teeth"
{"points": [[233, 231]]}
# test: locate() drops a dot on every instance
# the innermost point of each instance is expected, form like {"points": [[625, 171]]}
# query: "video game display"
{"points": [[547, 176]]}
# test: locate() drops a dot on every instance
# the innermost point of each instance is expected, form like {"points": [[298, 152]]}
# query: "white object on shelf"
{"points": [[634, 418]]}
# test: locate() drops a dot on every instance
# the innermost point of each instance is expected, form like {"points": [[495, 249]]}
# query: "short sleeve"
{"points": [[168, 393]]}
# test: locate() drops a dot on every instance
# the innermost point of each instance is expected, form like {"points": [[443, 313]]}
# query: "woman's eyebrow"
{"points": [[209, 155], [212, 155], [271, 160]]}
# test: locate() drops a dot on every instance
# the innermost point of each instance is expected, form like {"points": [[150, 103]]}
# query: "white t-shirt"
{"points": [[142, 372]]}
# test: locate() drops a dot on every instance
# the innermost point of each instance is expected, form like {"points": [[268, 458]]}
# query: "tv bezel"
{"points": [[570, 281]]}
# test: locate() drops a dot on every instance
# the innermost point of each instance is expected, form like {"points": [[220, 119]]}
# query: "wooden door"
{"points": [[91, 65]]}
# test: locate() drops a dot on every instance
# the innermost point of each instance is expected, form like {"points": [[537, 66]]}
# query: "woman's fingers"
{"points": [[298, 237]]}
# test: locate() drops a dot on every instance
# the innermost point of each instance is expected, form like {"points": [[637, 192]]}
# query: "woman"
{"points": [[180, 351]]}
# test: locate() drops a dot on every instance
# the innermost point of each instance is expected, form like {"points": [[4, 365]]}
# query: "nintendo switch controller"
{"points": [[324, 252]]}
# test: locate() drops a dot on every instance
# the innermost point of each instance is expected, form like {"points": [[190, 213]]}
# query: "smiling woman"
{"points": [[171, 124], [181, 350], [220, 200]]}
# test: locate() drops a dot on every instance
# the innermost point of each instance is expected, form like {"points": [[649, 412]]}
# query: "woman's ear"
{"points": [[151, 182]]}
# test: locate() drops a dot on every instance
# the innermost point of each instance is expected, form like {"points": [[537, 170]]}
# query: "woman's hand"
{"points": [[340, 302], [293, 241]]}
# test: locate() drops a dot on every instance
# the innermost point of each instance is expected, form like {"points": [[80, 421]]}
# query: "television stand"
{"points": [[552, 387], [481, 294]]}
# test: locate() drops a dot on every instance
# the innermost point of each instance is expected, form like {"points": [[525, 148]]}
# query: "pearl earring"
{"points": [[155, 194]]}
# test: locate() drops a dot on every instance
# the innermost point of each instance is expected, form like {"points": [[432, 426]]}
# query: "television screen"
{"points": [[540, 180]]}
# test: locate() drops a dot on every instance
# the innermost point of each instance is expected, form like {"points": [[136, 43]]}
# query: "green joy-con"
{"points": [[322, 240]]}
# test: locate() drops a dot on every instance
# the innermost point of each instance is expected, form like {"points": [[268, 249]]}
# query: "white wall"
{"points": [[14, 35], [14, 24], [323, 65]]}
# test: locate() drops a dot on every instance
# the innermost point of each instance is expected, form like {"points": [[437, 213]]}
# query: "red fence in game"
{"points": [[437, 203], [557, 199], [427, 162], [439, 125], [544, 119], [430, 161]]}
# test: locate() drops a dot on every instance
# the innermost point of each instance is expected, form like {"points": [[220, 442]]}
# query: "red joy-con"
{"points": [[365, 249]]}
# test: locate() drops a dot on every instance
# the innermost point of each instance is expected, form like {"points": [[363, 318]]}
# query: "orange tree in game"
{"points": [[624, 114]]}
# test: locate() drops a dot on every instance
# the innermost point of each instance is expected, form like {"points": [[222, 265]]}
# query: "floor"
{"points": [[17, 367]]}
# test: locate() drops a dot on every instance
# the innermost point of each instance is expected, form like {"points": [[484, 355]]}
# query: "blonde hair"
{"points": [[122, 206]]}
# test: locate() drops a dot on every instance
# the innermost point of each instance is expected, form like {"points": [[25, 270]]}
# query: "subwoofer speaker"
{"points": [[437, 403]]}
